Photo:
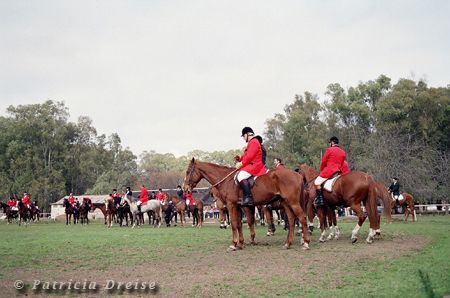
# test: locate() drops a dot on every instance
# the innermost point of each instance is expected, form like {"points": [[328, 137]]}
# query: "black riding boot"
{"points": [[319, 199], [248, 199]]}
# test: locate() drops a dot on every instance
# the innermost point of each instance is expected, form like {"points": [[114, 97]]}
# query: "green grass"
{"points": [[418, 273]]}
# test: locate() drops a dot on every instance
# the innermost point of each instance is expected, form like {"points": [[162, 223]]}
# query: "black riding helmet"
{"points": [[334, 140], [247, 130]]}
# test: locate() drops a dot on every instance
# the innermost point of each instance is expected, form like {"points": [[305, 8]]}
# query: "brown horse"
{"points": [[408, 203], [69, 211], [102, 208], [389, 203], [86, 205], [10, 214], [351, 190], [326, 215], [282, 183], [224, 215], [179, 206], [111, 211]]}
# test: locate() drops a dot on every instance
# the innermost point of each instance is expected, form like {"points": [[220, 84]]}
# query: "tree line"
{"points": [[387, 129]]}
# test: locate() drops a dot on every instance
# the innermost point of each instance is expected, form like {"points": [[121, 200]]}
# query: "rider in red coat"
{"points": [[278, 164], [160, 196], [143, 197], [26, 200], [12, 202], [71, 200], [333, 161], [191, 199], [250, 164]]}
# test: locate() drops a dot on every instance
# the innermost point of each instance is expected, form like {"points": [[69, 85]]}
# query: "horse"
{"points": [[194, 210], [70, 211], [111, 211], [123, 211], [179, 206], [282, 183], [10, 214], [152, 205], [351, 190], [224, 215], [389, 203], [84, 210], [408, 204], [35, 211], [326, 215], [102, 208]]}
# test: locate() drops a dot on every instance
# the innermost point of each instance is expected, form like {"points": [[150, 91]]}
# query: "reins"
{"points": [[232, 172]]}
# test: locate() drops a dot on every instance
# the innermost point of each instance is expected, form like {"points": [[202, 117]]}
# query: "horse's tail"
{"points": [[372, 205], [385, 197]]}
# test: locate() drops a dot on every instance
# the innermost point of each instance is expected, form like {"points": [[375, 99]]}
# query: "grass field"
{"points": [[411, 260]]}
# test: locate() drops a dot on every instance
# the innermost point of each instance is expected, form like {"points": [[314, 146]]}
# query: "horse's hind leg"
{"points": [[361, 218], [250, 214], [298, 211]]}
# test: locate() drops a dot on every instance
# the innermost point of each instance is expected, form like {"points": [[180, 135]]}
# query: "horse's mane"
{"points": [[222, 167]]}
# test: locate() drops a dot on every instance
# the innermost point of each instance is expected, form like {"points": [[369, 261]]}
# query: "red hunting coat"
{"points": [[143, 197], [333, 162], [191, 199], [252, 159]]}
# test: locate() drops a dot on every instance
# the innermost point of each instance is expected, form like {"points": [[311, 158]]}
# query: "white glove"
{"points": [[239, 165]]}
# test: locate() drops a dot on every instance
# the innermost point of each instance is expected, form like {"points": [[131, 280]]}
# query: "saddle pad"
{"points": [[328, 185], [400, 197]]}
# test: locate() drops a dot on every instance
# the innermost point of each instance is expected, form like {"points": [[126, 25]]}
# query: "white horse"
{"points": [[152, 205]]}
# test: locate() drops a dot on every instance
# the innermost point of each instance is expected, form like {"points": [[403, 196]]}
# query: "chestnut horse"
{"points": [[326, 215], [224, 215], [408, 203], [102, 208], [282, 183], [389, 203], [178, 204], [351, 190]]}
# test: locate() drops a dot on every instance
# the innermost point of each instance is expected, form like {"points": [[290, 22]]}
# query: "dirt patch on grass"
{"points": [[254, 271]]}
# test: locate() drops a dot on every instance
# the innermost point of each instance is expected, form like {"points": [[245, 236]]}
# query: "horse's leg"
{"points": [[269, 219], [291, 220], [321, 214], [251, 221], [298, 211], [233, 209], [361, 218], [240, 231]]}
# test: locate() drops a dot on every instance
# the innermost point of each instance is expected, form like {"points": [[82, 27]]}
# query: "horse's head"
{"points": [[309, 172], [193, 176]]}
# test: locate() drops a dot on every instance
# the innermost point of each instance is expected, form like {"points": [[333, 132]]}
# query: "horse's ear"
{"points": [[193, 159]]}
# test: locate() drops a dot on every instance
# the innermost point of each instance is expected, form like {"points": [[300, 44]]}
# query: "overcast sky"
{"points": [[174, 76]]}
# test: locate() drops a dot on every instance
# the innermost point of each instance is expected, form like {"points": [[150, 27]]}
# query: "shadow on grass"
{"points": [[425, 279]]}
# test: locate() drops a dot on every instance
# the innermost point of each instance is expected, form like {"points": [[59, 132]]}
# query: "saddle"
{"points": [[328, 184]]}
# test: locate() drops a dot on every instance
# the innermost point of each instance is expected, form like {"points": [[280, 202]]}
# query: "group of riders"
{"points": [[117, 200], [24, 206], [252, 164]]}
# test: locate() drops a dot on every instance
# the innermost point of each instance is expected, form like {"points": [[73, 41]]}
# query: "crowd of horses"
{"points": [[293, 193], [289, 193], [23, 214], [124, 211]]}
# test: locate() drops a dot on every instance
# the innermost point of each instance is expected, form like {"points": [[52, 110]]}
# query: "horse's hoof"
{"points": [[253, 243], [305, 246], [231, 248], [369, 240], [286, 246], [354, 240]]}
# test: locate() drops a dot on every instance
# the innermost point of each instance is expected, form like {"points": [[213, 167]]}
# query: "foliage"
{"points": [[387, 130]]}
